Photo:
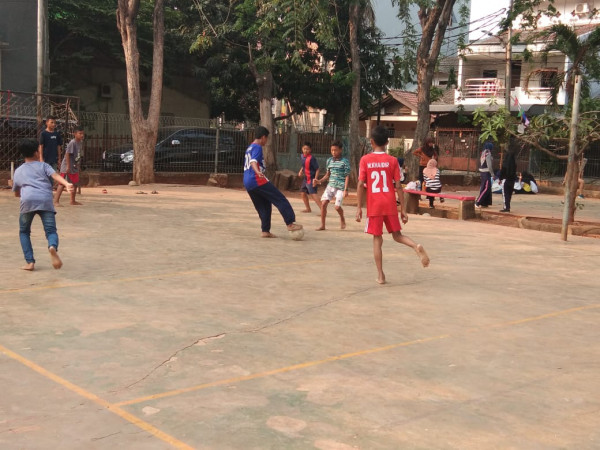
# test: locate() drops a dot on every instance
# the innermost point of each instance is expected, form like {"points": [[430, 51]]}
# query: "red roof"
{"points": [[405, 97]]}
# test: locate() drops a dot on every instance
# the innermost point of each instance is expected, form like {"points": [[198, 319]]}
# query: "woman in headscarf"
{"points": [[431, 177], [425, 153], [486, 171]]}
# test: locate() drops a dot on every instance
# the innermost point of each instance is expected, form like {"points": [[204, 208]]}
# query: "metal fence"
{"points": [[22, 115], [460, 148]]}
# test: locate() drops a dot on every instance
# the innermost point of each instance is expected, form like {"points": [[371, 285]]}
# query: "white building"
{"points": [[481, 72]]}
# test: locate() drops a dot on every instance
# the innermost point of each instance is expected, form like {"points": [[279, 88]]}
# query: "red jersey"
{"points": [[380, 171]]}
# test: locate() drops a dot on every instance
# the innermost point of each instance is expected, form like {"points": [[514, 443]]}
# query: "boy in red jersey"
{"points": [[380, 173]]}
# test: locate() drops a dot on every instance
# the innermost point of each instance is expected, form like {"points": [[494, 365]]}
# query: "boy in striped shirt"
{"points": [[338, 172]]}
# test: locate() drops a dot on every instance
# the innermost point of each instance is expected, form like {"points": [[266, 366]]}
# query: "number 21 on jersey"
{"points": [[379, 183]]}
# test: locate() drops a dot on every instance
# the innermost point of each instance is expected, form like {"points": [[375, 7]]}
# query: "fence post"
{"points": [[218, 122]]}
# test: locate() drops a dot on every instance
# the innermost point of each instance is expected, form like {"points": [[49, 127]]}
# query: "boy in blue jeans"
{"points": [[33, 184]]}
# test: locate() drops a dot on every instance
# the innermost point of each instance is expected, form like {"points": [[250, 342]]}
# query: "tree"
{"points": [[143, 129], [434, 17]]}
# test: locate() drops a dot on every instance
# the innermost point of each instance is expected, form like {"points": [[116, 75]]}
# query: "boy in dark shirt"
{"points": [[50, 144]]}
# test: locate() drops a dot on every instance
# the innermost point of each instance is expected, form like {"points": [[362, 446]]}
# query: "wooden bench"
{"points": [[466, 209]]}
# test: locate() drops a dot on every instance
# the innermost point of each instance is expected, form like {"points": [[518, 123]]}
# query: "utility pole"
{"points": [[41, 27], [41, 33], [507, 78], [572, 169]]}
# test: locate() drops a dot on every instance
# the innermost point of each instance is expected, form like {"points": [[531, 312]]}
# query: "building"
{"points": [[481, 75], [18, 45], [397, 113]]}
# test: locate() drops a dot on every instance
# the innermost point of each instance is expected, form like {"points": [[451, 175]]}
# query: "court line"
{"points": [[99, 401], [347, 356], [159, 276]]}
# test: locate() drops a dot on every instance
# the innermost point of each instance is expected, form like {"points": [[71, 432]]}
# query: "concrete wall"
{"points": [[18, 59]]}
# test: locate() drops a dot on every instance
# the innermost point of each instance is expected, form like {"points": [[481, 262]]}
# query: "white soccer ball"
{"points": [[297, 235]]}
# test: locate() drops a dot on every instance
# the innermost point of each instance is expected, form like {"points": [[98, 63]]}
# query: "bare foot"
{"points": [[321, 228], [266, 234], [28, 266], [57, 204], [423, 255], [76, 203], [343, 224], [294, 227], [381, 279], [306, 210], [56, 262]]}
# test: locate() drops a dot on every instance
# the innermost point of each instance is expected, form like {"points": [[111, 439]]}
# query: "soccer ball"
{"points": [[297, 235]]}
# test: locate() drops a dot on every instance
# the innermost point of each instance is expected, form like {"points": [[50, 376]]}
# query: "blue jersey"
{"points": [[310, 166], [50, 141], [251, 179]]}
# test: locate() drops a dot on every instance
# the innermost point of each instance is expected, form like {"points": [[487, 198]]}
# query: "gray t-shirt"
{"points": [[74, 151], [33, 179]]}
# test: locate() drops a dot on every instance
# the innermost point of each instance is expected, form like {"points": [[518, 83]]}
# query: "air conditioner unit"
{"points": [[582, 8]]}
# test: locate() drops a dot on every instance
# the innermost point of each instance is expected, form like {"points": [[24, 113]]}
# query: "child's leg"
{"points": [[323, 214], [49, 223], [418, 248], [58, 193], [306, 204], [274, 196], [339, 198], [263, 208], [73, 202], [378, 255], [25, 220], [317, 200], [340, 211]]}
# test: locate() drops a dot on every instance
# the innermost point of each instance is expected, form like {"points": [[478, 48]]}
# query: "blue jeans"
{"points": [[49, 223]]}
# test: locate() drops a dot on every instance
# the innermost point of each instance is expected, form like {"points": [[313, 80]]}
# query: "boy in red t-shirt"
{"points": [[380, 174]]}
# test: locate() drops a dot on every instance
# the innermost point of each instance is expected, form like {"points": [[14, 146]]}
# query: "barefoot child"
{"points": [[338, 172], [380, 172], [310, 170], [32, 182], [69, 169], [261, 191]]}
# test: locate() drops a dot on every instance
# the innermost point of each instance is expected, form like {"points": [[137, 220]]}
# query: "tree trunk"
{"points": [[264, 84], [355, 151], [434, 21], [143, 131]]}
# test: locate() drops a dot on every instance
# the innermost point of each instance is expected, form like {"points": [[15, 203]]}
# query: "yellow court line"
{"points": [[86, 394], [159, 276], [345, 356]]}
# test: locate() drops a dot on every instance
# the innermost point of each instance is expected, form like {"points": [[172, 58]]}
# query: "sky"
{"points": [[388, 22]]}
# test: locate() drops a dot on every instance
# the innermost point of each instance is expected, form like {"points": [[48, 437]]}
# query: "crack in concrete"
{"points": [[258, 329]]}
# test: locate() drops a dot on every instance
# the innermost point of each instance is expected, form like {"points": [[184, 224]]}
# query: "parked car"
{"points": [[182, 149]]}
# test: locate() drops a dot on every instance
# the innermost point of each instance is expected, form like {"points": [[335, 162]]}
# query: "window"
{"points": [[489, 73], [548, 78], [515, 74]]}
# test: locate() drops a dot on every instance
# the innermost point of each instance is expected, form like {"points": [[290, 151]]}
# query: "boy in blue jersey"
{"points": [[261, 191], [338, 172], [310, 170], [33, 184]]}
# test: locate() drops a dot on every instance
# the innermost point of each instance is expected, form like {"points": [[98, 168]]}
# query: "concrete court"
{"points": [[172, 325]]}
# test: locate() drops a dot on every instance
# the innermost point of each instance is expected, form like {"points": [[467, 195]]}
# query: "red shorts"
{"points": [[72, 177], [374, 224]]}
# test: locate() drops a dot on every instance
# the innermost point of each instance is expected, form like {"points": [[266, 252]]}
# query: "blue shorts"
{"points": [[308, 187]]}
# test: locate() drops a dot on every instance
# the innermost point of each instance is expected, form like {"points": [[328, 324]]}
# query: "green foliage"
{"points": [[398, 152], [435, 93]]}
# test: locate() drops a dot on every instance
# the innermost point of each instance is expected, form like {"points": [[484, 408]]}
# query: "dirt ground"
{"points": [[173, 325]]}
